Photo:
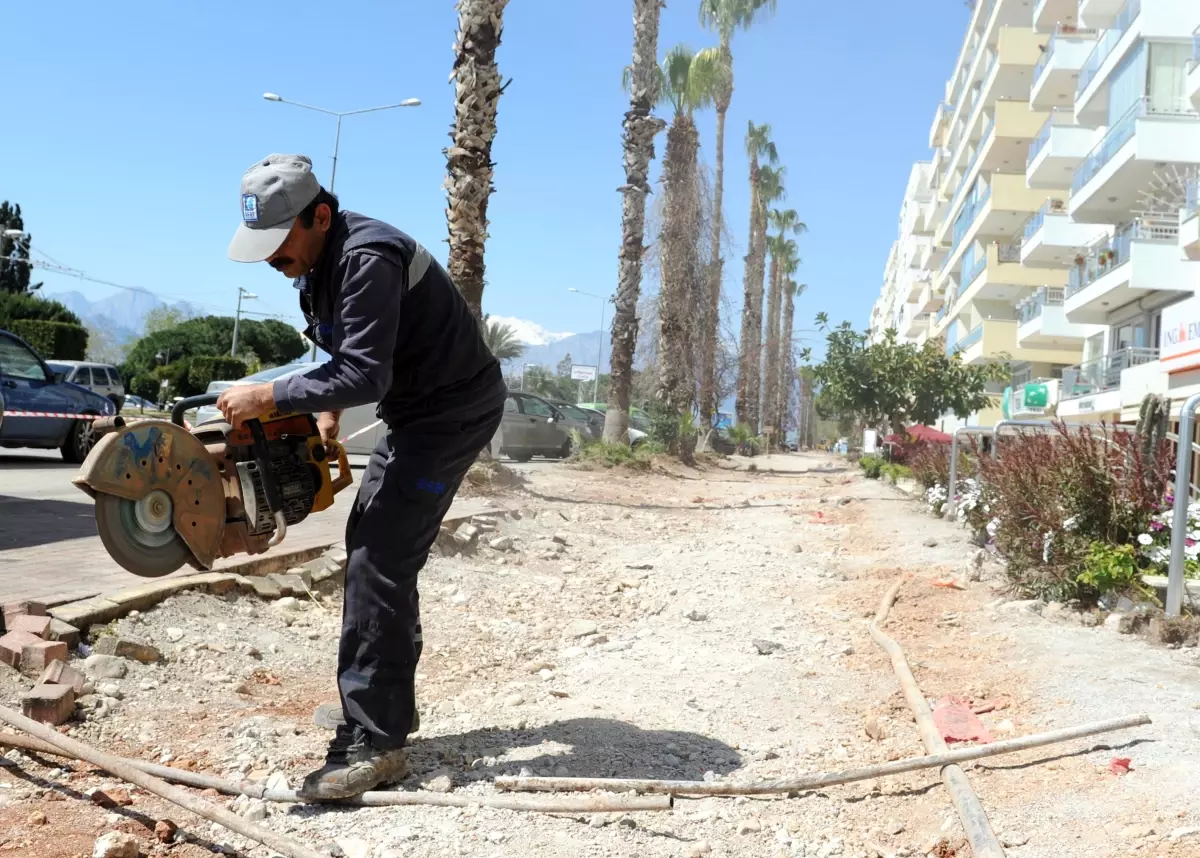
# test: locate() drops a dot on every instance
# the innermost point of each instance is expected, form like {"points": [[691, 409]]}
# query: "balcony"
{"points": [[1153, 132], [1192, 87], [1189, 221], [1051, 238], [912, 321], [1098, 14], [1141, 257], [1033, 398], [1057, 151], [992, 339], [1056, 74], [1092, 390], [929, 300], [1047, 14], [1004, 205], [1105, 47], [998, 275], [1044, 325]]}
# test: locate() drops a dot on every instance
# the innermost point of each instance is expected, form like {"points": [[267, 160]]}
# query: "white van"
{"points": [[99, 378]]}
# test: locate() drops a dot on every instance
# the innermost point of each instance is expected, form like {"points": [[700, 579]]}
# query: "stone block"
{"points": [[60, 673], [265, 588], [85, 612], [126, 648], [65, 632], [289, 585], [12, 644], [36, 657], [50, 704]]}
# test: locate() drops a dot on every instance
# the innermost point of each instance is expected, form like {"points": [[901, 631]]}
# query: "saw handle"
{"points": [[270, 487], [344, 476], [189, 403]]}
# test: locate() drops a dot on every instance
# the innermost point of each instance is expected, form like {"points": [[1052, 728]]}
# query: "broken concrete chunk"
{"points": [[127, 648], [580, 629], [115, 844], [104, 667], [50, 704]]}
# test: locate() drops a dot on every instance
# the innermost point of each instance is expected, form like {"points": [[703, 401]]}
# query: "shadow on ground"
{"points": [[28, 523]]}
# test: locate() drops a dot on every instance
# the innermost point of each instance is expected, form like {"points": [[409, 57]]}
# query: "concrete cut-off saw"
{"points": [[167, 496]]}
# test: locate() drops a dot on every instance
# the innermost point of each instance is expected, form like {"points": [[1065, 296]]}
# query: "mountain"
{"points": [[545, 348], [530, 333], [123, 314]]}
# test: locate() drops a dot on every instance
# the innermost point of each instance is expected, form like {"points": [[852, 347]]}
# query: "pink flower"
{"points": [[1157, 525]]}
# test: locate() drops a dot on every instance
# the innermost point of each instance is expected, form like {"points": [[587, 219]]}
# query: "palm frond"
{"points": [[728, 16], [501, 340]]}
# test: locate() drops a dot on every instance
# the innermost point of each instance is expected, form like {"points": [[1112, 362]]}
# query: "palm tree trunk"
{"points": [[787, 368], [477, 90], [640, 128], [712, 320], [771, 369], [678, 247], [746, 403]]}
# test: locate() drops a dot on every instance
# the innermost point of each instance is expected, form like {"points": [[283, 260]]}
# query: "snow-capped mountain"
{"points": [[122, 314], [530, 333]]}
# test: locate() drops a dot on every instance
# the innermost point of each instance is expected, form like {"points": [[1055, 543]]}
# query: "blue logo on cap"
{"points": [[250, 208]]}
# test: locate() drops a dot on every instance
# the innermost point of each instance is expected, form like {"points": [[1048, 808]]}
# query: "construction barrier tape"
{"points": [[51, 414]]}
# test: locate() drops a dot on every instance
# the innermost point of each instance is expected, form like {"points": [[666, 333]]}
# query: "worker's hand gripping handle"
{"points": [[344, 477]]}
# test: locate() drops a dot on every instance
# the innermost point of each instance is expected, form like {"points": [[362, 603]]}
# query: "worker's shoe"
{"points": [[329, 716], [354, 765]]}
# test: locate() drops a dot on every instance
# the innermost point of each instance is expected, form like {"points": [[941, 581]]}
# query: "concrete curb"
{"points": [[267, 576]]}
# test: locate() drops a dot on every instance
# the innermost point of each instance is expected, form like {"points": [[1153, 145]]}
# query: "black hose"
{"points": [[190, 403]]}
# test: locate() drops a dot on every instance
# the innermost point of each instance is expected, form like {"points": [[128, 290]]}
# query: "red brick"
{"points": [[50, 704], [36, 657], [16, 609], [61, 673], [39, 626], [12, 644]]}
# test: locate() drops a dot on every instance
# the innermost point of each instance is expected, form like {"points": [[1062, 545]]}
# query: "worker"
{"points": [[401, 336]]}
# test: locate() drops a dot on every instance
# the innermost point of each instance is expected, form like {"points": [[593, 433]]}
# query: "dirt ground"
{"points": [[623, 635]]}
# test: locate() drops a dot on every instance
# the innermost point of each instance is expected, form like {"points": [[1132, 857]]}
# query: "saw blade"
{"points": [[139, 534]]}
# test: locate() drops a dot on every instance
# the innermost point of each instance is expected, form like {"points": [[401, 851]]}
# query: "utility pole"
{"points": [[237, 319]]}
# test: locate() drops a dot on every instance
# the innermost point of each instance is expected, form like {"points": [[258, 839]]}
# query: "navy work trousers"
{"points": [[405, 493]]}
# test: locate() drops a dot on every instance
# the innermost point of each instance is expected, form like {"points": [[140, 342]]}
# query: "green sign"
{"points": [[1036, 395]]}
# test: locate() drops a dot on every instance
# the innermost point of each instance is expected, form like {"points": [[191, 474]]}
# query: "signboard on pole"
{"points": [[583, 372], [1181, 336]]}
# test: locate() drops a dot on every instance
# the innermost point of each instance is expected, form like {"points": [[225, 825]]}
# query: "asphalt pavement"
{"points": [[48, 541]]}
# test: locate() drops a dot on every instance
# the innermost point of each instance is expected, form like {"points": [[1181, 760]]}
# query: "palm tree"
{"points": [[640, 128], [787, 365], [687, 82], [767, 188], [502, 340], [726, 17], [477, 90], [783, 251]]}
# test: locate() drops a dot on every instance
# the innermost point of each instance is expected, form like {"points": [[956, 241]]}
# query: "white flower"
{"points": [[992, 527], [1071, 523], [1145, 539], [1047, 541]]}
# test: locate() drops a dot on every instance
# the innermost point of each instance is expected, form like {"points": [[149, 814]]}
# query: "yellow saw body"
{"points": [[169, 496]]}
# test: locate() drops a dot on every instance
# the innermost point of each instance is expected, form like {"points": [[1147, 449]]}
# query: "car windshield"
{"points": [[637, 421], [56, 367], [572, 412], [277, 371]]}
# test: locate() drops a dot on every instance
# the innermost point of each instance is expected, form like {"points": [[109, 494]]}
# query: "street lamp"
{"points": [[600, 350], [14, 233], [272, 96], [237, 318], [408, 102]]}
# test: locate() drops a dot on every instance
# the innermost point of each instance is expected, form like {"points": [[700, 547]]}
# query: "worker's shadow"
{"points": [[585, 747]]}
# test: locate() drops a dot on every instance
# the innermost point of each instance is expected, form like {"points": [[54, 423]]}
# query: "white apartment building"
{"points": [[1065, 204], [906, 300]]}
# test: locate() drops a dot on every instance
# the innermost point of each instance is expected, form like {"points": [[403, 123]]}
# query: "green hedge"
{"points": [[203, 369], [53, 340]]}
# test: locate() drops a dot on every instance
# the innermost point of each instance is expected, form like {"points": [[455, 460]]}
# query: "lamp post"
{"points": [[237, 318], [337, 139], [408, 102], [600, 350]]}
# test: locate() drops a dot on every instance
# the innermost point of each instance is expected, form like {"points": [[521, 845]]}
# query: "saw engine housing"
{"points": [[167, 496]]}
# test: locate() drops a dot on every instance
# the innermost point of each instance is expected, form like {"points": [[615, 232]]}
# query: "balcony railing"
{"points": [[1195, 60], [1123, 130], [967, 217], [1107, 43], [1058, 116], [1038, 218], [1191, 202], [1103, 373], [1062, 31], [969, 275], [1112, 253], [969, 340], [1032, 307]]}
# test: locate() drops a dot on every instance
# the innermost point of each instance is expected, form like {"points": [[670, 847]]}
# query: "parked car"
{"points": [[218, 386], [596, 419], [359, 426], [99, 378], [577, 420], [29, 385], [639, 423], [530, 427], [136, 403]]}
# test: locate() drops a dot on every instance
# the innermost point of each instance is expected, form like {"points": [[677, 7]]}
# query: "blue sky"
{"points": [[127, 131]]}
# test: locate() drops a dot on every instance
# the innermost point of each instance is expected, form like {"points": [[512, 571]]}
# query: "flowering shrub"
{"points": [[1154, 546], [930, 465], [935, 498], [1049, 497]]}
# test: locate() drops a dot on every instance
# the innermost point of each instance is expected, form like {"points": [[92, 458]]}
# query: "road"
{"points": [[48, 542]]}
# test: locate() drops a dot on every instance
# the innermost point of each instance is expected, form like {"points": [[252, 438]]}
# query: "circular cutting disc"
{"points": [[139, 534]]}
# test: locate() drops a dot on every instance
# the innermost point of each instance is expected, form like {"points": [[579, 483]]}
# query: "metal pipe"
{"points": [[1183, 496], [1024, 424], [204, 809], [976, 826], [952, 489], [827, 779]]}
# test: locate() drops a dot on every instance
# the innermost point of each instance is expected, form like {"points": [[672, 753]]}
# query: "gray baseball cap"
{"points": [[274, 191]]}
